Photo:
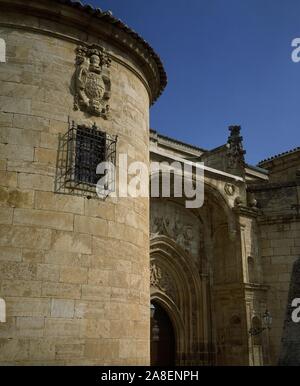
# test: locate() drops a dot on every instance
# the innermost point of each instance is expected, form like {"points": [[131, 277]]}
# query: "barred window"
{"points": [[81, 150], [90, 152]]}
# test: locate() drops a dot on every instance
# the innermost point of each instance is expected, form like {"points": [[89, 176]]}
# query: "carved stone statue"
{"points": [[92, 81], [161, 279]]}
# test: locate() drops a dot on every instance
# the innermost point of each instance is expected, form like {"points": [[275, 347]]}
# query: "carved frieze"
{"points": [[92, 81], [171, 221]]}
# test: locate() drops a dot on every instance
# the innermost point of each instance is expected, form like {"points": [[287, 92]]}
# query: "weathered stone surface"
{"points": [[59, 202], [75, 275], [26, 237], [10, 254], [40, 218], [35, 181], [8, 179], [6, 215], [20, 198], [94, 226], [61, 255], [61, 290], [28, 307], [71, 242], [62, 308], [30, 122]]}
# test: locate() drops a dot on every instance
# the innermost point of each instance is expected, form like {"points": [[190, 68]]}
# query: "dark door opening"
{"points": [[162, 338]]}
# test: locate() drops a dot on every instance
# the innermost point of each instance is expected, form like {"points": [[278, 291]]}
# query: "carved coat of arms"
{"points": [[92, 81]]}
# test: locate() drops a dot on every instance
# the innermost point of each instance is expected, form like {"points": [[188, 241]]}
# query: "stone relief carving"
{"points": [[183, 234], [161, 279], [229, 189], [92, 81]]}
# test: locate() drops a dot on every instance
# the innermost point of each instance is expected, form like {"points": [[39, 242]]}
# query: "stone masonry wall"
{"points": [[280, 244], [74, 272]]}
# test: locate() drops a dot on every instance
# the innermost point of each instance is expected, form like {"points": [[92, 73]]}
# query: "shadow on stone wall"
{"points": [[290, 344]]}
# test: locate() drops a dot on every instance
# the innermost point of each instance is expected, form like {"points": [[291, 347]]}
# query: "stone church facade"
{"points": [[78, 273]]}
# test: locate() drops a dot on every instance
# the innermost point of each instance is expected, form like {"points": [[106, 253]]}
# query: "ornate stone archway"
{"points": [[195, 271], [177, 285]]}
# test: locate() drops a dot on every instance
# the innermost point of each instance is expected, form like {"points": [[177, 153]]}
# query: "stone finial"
{"points": [[235, 152]]}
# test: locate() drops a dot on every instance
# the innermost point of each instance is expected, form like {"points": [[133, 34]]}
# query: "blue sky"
{"points": [[228, 62]]}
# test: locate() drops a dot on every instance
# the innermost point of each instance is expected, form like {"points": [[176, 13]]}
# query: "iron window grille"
{"points": [[80, 151]]}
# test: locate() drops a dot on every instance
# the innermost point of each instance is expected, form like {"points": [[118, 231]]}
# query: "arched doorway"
{"points": [[163, 345]]}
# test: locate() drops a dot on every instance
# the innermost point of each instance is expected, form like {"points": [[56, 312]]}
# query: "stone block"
{"points": [[94, 226], [8, 179], [59, 327], [30, 327], [71, 242], [47, 110], [69, 351], [33, 256], [14, 350], [41, 218], [62, 308], [65, 258], [6, 119], [74, 275], [98, 208], [30, 122], [127, 348], [143, 351], [6, 215], [59, 202], [119, 279], [121, 329], [48, 272], [42, 350], [116, 230], [95, 329], [141, 329], [20, 288], [61, 290], [98, 293], [21, 137], [49, 141], [58, 126], [15, 105], [98, 277], [90, 310], [3, 164], [35, 181], [25, 306], [105, 349], [16, 152], [32, 168], [10, 254], [45, 156], [8, 329], [20, 199], [16, 270]]}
